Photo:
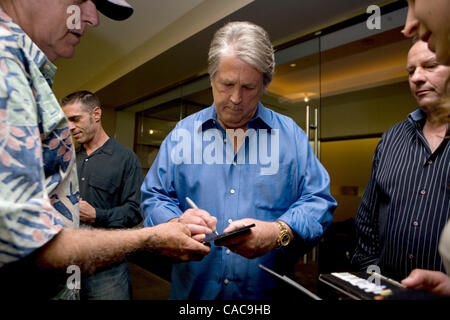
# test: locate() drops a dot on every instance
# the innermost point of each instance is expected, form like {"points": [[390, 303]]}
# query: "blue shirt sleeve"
{"points": [[159, 202], [312, 213]]}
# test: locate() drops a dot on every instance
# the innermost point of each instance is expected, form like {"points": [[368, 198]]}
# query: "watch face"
{"points": [[285, 239]]}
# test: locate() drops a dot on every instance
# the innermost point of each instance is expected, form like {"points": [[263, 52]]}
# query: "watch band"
{"points": [[283, 237]]}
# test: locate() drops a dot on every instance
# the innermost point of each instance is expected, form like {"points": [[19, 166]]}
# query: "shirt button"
{"points": [[82, 179], [234, 163], [411, 256], [86, 160], [416, 223], [423, 191], [230, 221], [430, 161], [226, 281], [232, 191], [228, 251]]}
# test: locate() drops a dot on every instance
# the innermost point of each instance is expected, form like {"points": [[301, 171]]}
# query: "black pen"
{"points": [[194, 206]]}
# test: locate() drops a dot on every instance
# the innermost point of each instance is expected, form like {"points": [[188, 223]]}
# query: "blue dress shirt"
{"points": [[274, 176]]}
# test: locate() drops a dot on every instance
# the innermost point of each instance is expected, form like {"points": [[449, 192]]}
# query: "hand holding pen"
{"points": [[199, 221]]}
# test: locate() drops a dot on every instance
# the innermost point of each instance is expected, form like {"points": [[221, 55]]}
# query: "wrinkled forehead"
{"points": [[232, 65]]}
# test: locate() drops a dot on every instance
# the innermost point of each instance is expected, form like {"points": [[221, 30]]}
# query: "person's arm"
{"points": [[128, 214], [306, 219], [367, 246], [434, 281], [312, 213], [159, 198], [90, 249]]}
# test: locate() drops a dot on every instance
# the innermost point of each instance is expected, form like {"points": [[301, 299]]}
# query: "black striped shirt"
{"points": [[406, 202]]}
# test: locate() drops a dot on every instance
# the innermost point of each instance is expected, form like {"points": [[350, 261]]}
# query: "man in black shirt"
{"points": [[110, 178], [406, 202]]}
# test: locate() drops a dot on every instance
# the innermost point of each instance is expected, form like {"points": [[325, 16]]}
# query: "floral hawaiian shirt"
{"points": [[38, 181]]}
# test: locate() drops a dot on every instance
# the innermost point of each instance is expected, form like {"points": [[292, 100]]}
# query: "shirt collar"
{"points": [[48, 70], [417, 117], [29, 49], [263, 117], [107, 147], [261, 120]]}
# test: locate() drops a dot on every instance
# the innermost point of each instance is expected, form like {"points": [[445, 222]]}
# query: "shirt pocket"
{"points": [[275, 192], [103, 184]]}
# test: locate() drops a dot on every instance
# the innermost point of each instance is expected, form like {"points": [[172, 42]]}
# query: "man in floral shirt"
{"points": [[39, 194]]}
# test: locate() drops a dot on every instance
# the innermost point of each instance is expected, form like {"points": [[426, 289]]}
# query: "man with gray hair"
{"points": [[39, 195], [241, 164]]}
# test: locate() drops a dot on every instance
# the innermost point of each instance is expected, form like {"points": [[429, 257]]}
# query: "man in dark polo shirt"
{"points": [[110, 177]]}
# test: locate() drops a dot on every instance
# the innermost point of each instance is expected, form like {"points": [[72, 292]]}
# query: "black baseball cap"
{"points": [[114, 9]]}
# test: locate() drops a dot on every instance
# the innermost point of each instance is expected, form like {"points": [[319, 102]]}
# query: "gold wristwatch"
{"points": [[283, 237]]}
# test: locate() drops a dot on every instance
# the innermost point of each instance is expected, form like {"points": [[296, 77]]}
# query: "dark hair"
{"points": [[88, 100]]}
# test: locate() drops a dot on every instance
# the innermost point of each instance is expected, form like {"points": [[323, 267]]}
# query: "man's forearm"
{"points": [[90, 249]]}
